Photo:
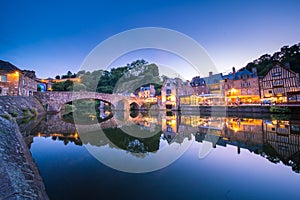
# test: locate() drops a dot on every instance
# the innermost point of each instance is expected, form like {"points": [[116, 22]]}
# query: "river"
{"points": [[166, 156]]}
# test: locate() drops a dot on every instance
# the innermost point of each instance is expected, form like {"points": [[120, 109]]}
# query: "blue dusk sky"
{"points": [[56, 36]]}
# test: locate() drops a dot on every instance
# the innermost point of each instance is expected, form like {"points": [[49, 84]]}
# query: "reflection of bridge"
{"points": [[276, 139], [53, 101]]}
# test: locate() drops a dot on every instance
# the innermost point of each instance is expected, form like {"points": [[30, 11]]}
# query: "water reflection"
{"points": [[276, 140]]}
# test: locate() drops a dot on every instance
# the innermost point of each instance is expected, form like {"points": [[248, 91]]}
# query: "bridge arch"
{"points": [[53, 101]]}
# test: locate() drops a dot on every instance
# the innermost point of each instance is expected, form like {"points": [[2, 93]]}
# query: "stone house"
{"points": [[199, 85], [14, 81], [147, 92], [241, 87], [171, 90]]}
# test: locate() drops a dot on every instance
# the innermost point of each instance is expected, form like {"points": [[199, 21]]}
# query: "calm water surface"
{"points": [[250, 158]]}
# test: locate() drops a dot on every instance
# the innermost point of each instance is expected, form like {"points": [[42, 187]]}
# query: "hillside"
{"points": [[287, 56]]}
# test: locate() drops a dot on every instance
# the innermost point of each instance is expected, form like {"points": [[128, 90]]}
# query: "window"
{"points": [[168, 106], [3, 78], [278, 83], [270, 91], [168, 91], [168, 84], [276, 74]]}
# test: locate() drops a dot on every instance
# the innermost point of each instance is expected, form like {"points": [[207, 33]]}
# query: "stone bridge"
{"points": [[53, 101]]}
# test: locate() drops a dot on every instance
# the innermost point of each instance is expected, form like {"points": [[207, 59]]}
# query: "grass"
{"points": [[276, 109], [13, 114], [6, 116]]}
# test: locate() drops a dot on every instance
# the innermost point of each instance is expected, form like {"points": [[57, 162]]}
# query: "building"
{"points": [[199, 85], [241, 87], [27, 83], [14, 81], [147, 92], [214, 93], [171, 90], [284, 137], [278, 82]]}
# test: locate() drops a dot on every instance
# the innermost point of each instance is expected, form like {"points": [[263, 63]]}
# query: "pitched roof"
{"points": [[215, 78], [239, 74], [197, 81], [6, 66]]}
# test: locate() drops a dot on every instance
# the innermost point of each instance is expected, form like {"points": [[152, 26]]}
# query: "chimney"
{"points": [[210, 73], [287, 64], [233, 70]]}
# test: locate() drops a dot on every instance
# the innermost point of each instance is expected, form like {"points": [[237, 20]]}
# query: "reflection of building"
{"points": [[244, 129], [278, 82], [14, 81], [241, 86], [283, 137], [170, 127], [172, 90]]}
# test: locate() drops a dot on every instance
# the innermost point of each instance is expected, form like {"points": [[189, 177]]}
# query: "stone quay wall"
{"points": [[19, 175]]}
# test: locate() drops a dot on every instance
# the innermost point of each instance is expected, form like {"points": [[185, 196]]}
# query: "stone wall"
{"points": [[19, 176], [19, 106]]}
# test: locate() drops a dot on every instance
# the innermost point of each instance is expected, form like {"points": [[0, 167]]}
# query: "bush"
{"points": [[69, 108], [13, 114], [33, 111], [26, 112], [7, 116], [276, 109]]}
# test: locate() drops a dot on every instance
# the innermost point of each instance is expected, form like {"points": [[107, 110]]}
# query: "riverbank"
{"points": [[244, 109], [20, 107], [19, 175]]}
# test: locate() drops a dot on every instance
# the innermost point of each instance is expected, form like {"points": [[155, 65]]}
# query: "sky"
{"points": [[56, 36]]}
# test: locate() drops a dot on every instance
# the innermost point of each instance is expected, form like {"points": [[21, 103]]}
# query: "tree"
{"points": [[57, 77], [69, 73], [63, 86], [287, 56]]}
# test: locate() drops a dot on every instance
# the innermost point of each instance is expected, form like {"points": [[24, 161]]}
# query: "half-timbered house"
{"points": [[278, 82]]}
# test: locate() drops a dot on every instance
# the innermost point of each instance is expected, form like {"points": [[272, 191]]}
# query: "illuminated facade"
{"points": [[147, 92], [14, 81], [172, 90], [241, 87], [278, 82]]}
